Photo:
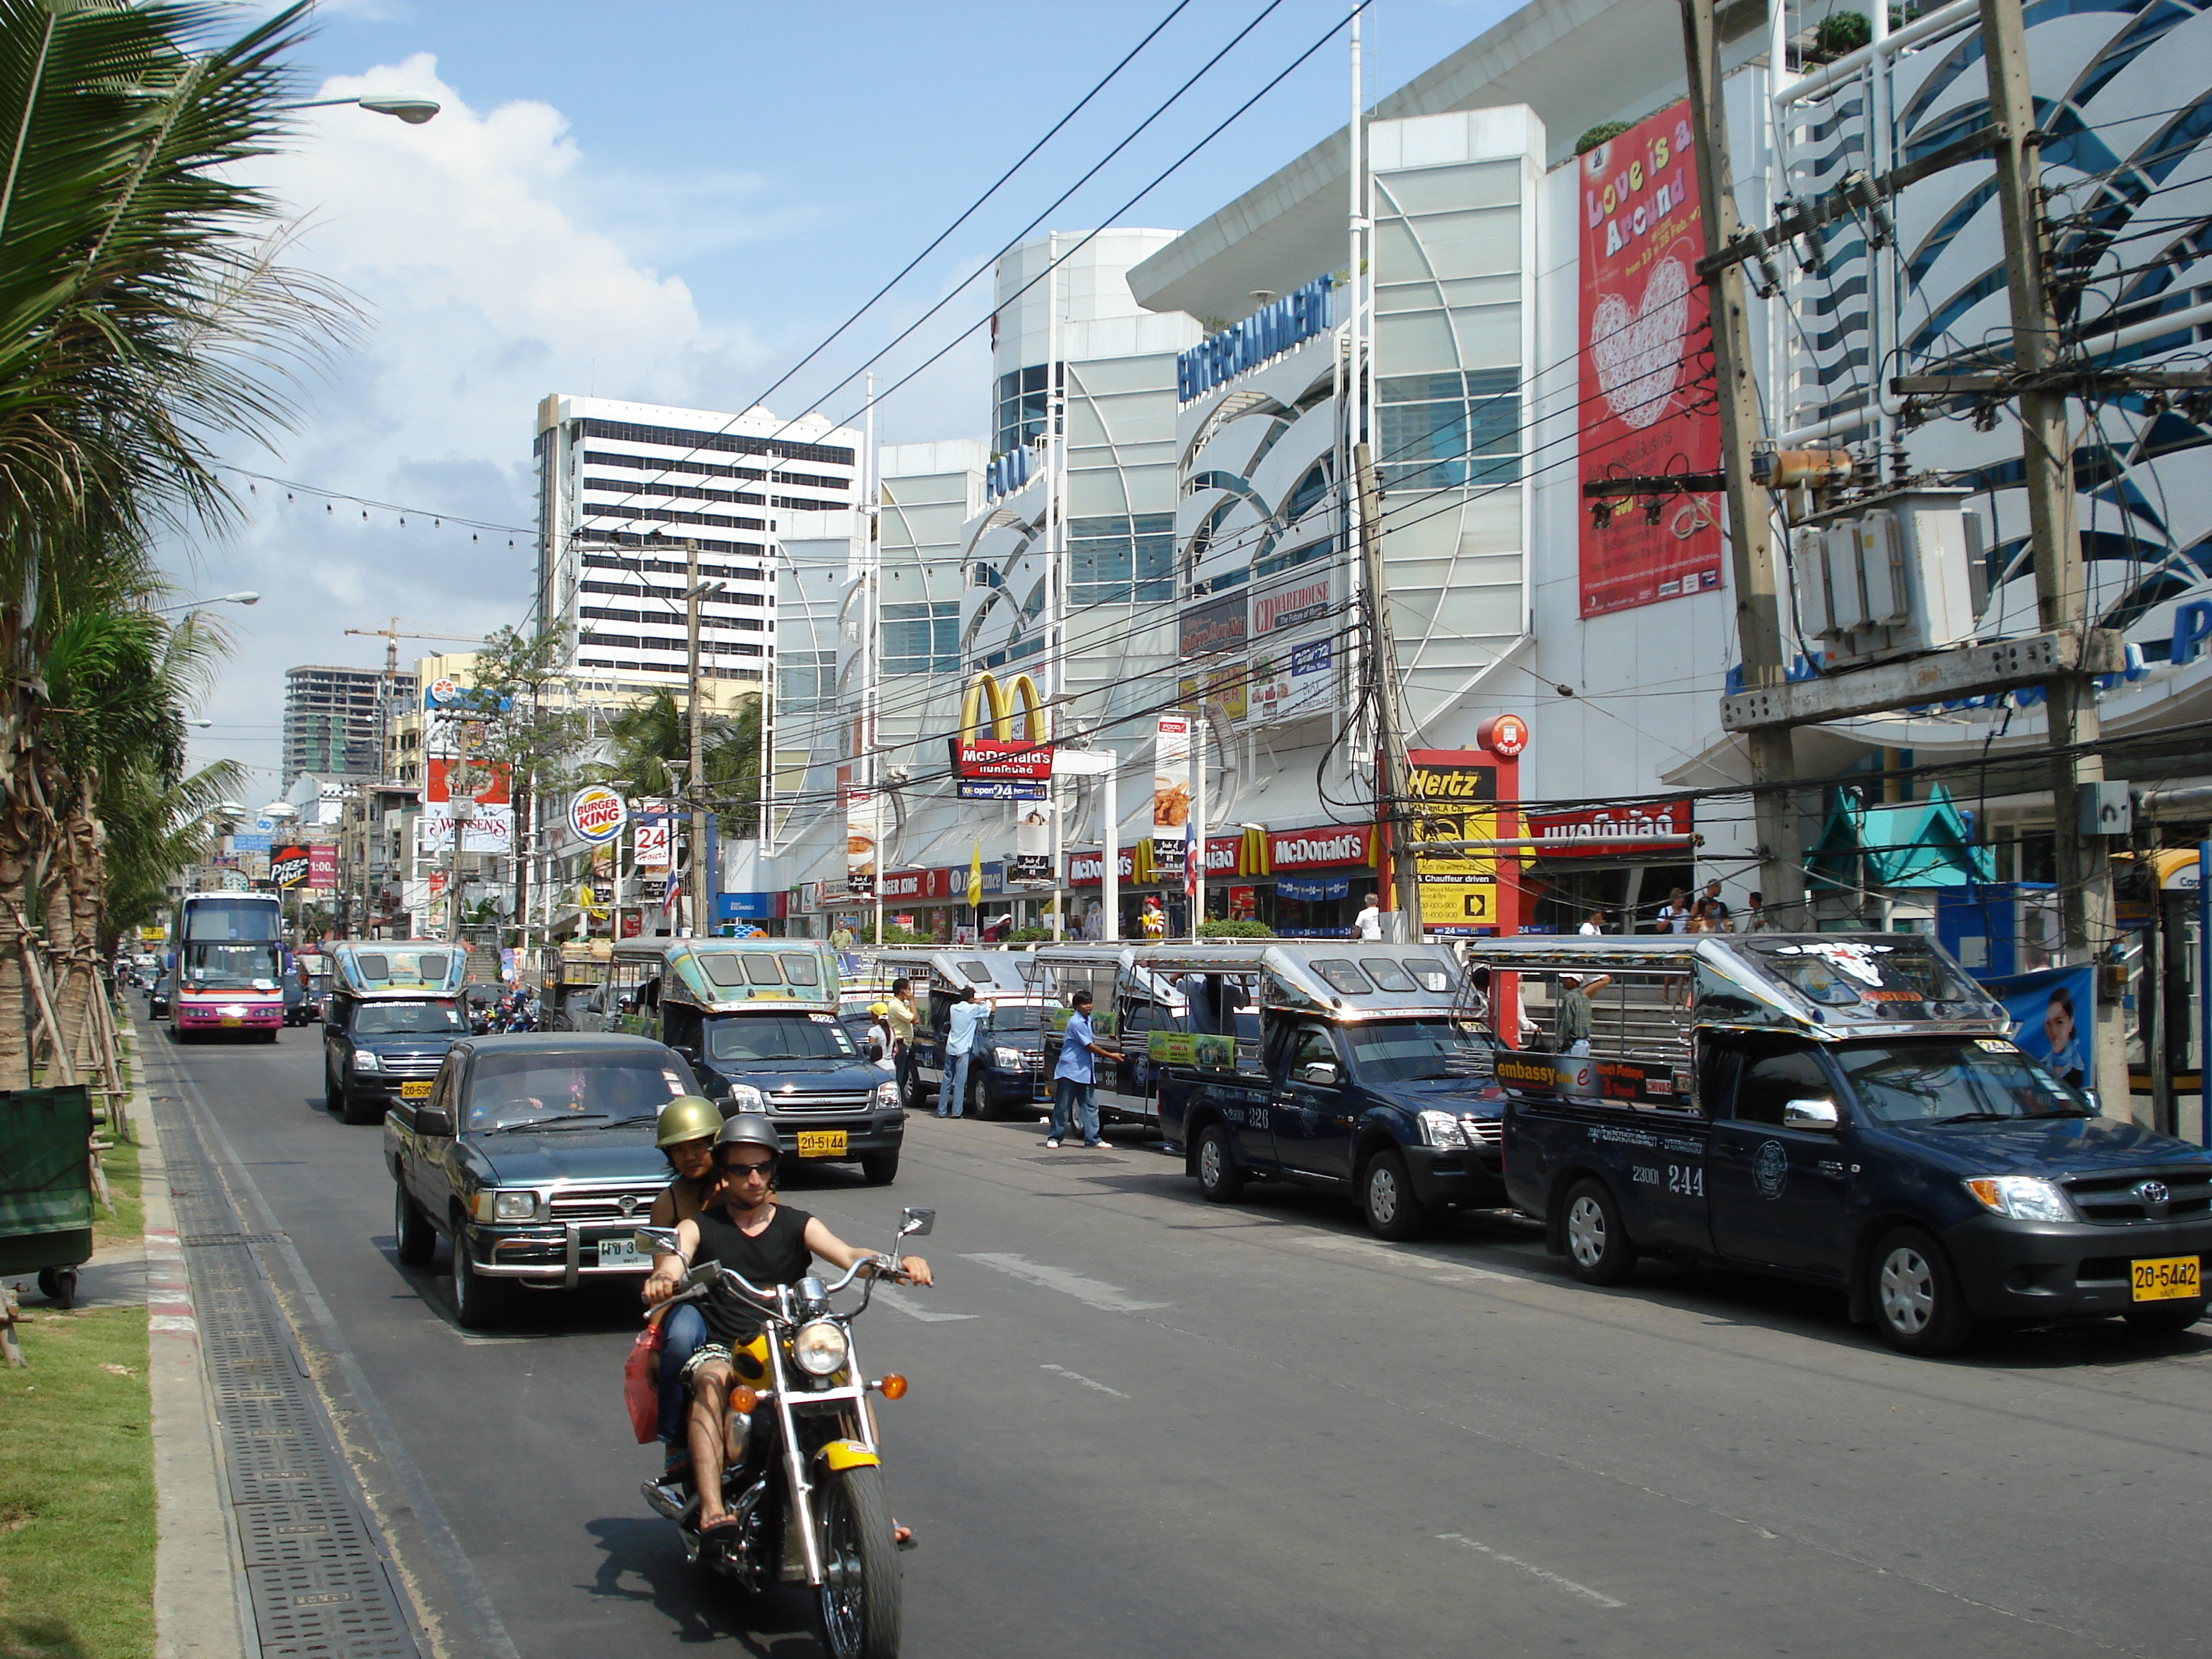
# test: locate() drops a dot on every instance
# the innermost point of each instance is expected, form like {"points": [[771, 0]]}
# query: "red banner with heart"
{"points": [[1647, 408]]}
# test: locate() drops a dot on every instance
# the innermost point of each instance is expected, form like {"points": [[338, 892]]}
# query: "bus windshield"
{"points": [[230, 968]]}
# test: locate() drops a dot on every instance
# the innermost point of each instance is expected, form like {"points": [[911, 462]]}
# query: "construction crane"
{"points": [[392, 634]]}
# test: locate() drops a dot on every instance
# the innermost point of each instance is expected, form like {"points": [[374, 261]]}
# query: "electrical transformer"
{"points": [[1888, 575]]}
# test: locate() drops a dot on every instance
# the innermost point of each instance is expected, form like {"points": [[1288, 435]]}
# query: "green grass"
{"points": [[77, 1490], [128, 1225]]}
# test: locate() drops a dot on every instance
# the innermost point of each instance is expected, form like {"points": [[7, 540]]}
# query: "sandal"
{"points": [[903, 1538]]}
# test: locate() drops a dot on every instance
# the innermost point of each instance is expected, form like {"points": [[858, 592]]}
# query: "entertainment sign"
{"points": [[1268, 332]]}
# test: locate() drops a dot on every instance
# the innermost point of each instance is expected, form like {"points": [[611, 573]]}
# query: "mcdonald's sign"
{"points": [[990, 743]]}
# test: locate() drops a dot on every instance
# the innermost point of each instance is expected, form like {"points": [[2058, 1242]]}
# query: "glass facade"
{"points": [[1121, 558], [1021, 408], [1448, 431], [922, 639]]}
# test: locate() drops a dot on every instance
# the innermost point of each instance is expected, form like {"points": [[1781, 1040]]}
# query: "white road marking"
{"points": [[1078, 1377], [1108, 1299], [913, 1310], [1437, 1265], [1535, 1571]]}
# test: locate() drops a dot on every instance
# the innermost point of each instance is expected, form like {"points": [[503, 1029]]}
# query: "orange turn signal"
{"points": [[742, 1399], [893, 1386]]}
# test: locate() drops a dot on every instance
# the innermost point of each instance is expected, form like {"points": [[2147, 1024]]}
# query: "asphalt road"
{"points": [[1144, 1425]]}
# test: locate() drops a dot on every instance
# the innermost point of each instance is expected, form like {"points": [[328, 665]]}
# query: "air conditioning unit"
{"points": [[1887, 576]]}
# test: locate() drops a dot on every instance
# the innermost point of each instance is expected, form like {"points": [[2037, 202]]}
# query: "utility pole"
{"points": [[1757, 607], [1394, 802], [694, 593], [2062, 594]]}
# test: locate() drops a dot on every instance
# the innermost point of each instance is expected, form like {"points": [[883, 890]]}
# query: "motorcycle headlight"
{"points": [[1006, 1059], [744, 1098], [819, 1348], [2021, 1198], [1441, 1129], [886, 1097], [365, 1060]]}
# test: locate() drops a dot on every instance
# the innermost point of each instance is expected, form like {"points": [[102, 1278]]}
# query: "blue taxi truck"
{"points": [[1846, 1110], [1354, 1067], [757, 1020], [394, 1010], [1006, 1072]]}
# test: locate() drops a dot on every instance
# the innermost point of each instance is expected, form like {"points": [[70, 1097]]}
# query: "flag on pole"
{"points": [[975, 874], [1192, 852]]}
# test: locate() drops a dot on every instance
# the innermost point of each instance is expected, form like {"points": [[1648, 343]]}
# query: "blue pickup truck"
{"points": [[1348, 1066], [1844, 1110]]}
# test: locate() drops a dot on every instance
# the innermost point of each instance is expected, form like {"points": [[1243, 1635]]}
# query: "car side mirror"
{"points": [[917, 1224], [1814, 1116], [433, 1121], [1322, 1073], [875, 1051]]}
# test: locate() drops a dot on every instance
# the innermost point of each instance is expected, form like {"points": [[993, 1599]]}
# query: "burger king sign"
{"points": [[597, 814]]}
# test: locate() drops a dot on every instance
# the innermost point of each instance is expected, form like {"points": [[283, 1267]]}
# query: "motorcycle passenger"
{"points": [[744, 1229], [685, 1134]]}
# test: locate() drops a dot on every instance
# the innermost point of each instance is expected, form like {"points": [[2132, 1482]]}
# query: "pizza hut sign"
{"points": [[1318, 849]]}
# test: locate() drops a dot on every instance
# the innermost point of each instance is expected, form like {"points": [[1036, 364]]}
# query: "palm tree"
{"points": [[651, 745], [143, 313]]}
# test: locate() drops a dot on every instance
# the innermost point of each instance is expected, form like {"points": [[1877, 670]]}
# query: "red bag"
{"points": [[641, 1383]]}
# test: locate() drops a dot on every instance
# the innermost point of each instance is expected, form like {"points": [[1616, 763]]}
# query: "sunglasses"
{"points": [[740, 1171]]}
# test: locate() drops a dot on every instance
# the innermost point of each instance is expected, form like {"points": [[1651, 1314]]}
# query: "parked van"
{"points": [[1844, 1110]]}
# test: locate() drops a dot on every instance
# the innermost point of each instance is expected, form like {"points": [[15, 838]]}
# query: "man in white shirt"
{"points": [[960, 1023], [1368, 924]]}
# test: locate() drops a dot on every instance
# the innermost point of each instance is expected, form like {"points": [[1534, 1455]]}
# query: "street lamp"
{"points": [[413, 111], [246, 597]]}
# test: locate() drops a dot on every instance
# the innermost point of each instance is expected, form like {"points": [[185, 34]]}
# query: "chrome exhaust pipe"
{"points": [[669, 1505]]}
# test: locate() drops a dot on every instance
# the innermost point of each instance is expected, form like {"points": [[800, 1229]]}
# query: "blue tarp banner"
{"points": [[2056, 1012]]}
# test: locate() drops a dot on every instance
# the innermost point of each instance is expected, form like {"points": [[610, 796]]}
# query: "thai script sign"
{"points": [[1596, 831]]}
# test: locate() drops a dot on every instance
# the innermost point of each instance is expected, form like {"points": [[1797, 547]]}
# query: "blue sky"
{"points": [[674, 202]]}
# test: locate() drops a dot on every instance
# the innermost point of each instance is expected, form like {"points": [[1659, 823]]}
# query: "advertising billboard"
{"points": [[861, 843], [1293, 655], [289, 866], [1170, 789], [323, 867], [653, 845], [1610, 832], [1465, 794], [487, 781], [1647, 402]]}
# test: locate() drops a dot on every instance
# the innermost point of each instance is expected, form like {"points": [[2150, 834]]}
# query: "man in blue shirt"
{"points": [[960, 1026], [1074, 1078]]}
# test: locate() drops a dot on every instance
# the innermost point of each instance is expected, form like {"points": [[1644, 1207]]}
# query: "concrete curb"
{"points": [[197, 1569]]}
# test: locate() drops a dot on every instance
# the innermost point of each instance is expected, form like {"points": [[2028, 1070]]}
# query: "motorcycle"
{"points": [[808, 1489]]}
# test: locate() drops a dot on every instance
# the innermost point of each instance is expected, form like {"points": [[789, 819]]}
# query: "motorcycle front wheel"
{"points": [[858, 1603]]}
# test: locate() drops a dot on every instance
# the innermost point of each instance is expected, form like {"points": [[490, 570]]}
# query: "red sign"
{"points": [[487, 781], [1088, 869], [1599, 830], [1647, 392], [323, 866], [1221, 854], [1324, 848], [904, 884], [1504, 734], [988, 759]]}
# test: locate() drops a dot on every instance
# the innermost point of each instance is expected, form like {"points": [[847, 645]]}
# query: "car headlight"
{"points": [[886, 1097], [365, 1060], [490, 1206], [819, 1348], [1441, 1129], [1006, 1059], [744, 1098], [2022, 1198]]}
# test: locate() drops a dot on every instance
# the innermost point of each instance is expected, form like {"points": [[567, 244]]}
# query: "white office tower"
{"points": [[620, 487]]}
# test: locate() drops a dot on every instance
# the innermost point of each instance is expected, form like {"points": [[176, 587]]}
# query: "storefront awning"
{"points": [[1922, 843]]}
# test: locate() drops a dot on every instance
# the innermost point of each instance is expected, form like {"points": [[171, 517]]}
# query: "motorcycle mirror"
{"points": [[656, 1238], [918, 1223]]}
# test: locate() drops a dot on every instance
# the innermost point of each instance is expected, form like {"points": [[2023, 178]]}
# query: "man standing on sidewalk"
{"points": [[1074, 1078], [960, 1026], [899, 1014]]}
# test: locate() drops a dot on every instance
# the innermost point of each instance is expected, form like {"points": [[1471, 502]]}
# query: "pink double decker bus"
{"points": [[230, 967]]}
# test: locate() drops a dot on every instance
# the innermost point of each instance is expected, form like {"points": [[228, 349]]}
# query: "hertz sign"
{"points": [[990, 746]]}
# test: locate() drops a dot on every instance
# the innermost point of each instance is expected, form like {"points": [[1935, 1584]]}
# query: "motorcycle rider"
{"points": [[744, 1229], [685, 1134]]}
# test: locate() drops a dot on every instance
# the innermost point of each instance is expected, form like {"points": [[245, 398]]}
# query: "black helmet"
{"points": [[746, 1129]]}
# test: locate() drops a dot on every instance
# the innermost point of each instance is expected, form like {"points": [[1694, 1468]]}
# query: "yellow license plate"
{"points": [[416, 1091], [233, 1019], [2167, 1279], [821, 1143]]}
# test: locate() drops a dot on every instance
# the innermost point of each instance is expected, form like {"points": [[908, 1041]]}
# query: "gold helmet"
{"points": [[687, 1117]]}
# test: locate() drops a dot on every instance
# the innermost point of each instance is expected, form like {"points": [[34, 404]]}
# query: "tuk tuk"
{"points": [[570, 976], [1129, 1003], [1007, 1076]]}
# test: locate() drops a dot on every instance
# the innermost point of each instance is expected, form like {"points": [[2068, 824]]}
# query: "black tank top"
{"points": [[776, 1255]]}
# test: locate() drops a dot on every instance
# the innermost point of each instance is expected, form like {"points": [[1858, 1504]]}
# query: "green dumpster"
{"points": [[46, 1185]]}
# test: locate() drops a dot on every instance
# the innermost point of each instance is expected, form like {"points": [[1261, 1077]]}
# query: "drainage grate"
{"points": [[316, 1573]]}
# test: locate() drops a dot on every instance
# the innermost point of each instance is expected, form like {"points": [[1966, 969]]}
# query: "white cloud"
{"points": [[494, 266]]}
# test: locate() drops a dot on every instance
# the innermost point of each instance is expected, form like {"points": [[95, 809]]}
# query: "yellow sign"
{"points": [[1458, 903], [984, 693]]}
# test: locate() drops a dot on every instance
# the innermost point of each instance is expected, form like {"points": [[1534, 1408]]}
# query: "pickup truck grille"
{"points": [[410, 1064], [2120, 1200], [832, 1100], [603, 1203], [1485, 1131]]}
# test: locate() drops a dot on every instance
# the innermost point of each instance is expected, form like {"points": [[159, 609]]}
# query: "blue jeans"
{"points": [[952, 1088], [681, 1332], [1072, 1099]]}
